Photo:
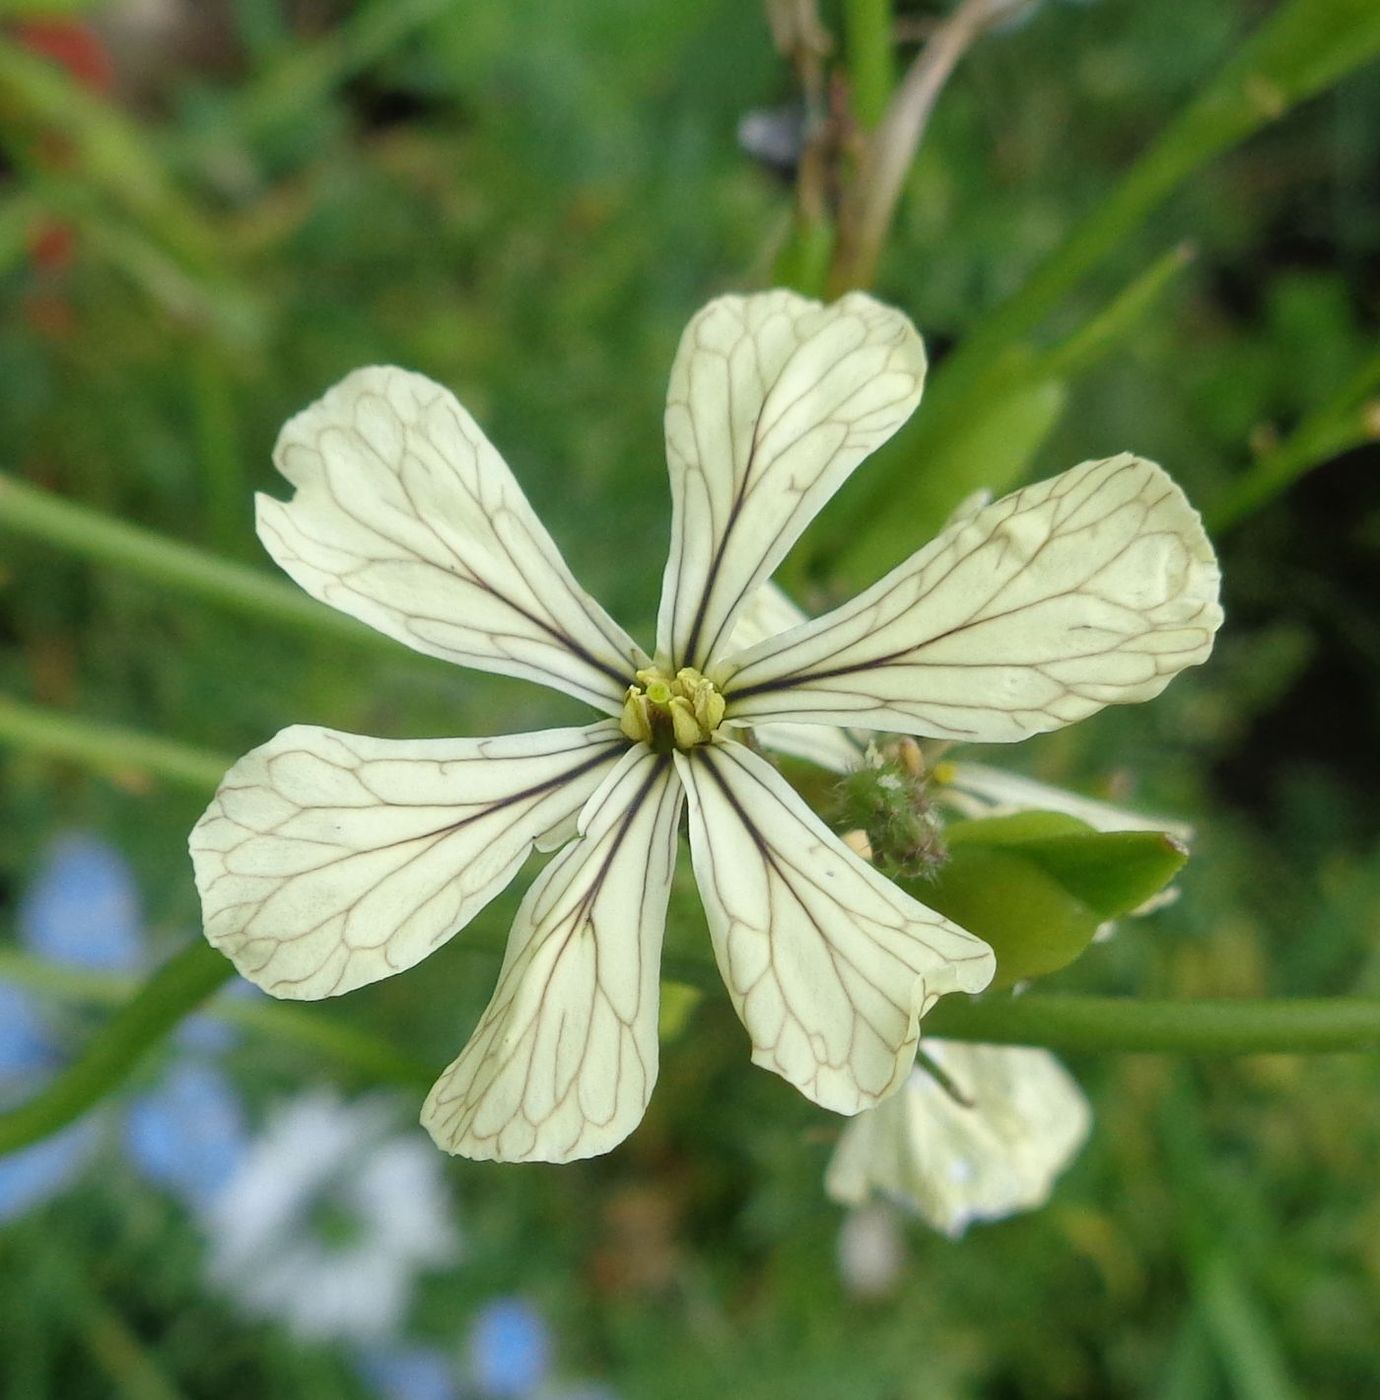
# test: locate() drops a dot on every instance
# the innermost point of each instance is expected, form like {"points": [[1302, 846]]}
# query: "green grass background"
{"points": [[527, 202]]}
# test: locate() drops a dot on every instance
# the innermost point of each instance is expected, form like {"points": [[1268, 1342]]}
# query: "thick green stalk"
{"points": [[114, 153], [182, 569], [108, 747], [871, 57], [1198, 1027], [993, 449], [176, 989]]}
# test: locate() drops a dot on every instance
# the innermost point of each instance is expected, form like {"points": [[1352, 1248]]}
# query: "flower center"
{"points": [[334, 1223], [671, 712]]}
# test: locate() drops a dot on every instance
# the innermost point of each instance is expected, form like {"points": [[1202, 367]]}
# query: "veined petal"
{"points": [[1020, 1121], [979, 791], [835, 750], [774, 400], [768, 614], [1094, 588], [829, 965], [330, 860], [563, 1061], [407, 518]]}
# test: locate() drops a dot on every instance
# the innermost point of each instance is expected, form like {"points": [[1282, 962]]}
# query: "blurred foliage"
{"points": [[527, 203]]}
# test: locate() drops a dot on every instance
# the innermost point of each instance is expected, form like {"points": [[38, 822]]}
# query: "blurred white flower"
{"points": [[988, 1144], [330, 1218], [871, 1250]]}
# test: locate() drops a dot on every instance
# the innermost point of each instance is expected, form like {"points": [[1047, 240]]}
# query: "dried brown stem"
{"points": [[866, 214]]}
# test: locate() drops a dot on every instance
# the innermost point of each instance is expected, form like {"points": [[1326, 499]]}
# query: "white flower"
{"points": [[328, 1220], [871, 1251], [989, 1144], [328, 861]]}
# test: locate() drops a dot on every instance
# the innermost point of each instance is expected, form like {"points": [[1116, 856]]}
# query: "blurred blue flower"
{"points": [[408, 1373], [187, 1132], [510, 1349], [24, 1046], [84, 909]]}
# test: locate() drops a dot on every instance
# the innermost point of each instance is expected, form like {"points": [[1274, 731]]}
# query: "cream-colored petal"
{"points": [[1094, 588], [828, 964], [563, 1061], [330, 860], [407, 518], [837, 750], [769, 613], [1023, 1120], [976, 790], [773, 401]]}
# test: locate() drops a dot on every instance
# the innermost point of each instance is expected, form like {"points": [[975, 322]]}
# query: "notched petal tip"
{"points": [[774, 400]]}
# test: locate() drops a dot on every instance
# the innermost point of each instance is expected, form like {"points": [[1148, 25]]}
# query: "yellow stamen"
{"points": [[671, 712]]}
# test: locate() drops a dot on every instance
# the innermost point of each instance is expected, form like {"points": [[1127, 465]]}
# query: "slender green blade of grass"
{"points": [[184, 569]]}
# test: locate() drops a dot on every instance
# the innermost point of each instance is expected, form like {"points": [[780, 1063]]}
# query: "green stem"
{"points": [[115, 154], [1113, 324], [1343, 421], [1199, 1027], [109, 747], [19, 216], [227, 497], [180, 985], [130, 1368], [993, 449], [871, 57], [309, 73], [293, 1025], [1241, 1331], [182, 569]]}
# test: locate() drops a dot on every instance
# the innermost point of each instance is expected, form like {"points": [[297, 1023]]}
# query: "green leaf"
{"points": [[1038, 885], [989, 450], [1112, 872]]}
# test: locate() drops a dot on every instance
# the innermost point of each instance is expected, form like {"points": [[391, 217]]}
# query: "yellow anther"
{"points": [[943, 773], [685, 726], [636, 720], [857, 842], [910, 758], [669, 712]]}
